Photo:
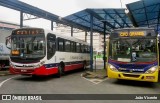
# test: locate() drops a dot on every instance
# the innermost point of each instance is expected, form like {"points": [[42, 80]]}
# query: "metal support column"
{"points": [[52, 25], [71, 30], [91, 43], [21, 19], [85, 36], [158, 20], [104, 56]]}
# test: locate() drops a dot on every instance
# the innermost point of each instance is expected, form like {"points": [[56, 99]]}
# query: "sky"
{"points": [[59, 7]]}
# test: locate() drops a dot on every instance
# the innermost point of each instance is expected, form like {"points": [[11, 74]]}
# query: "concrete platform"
{"points": [[98, 70], [100, 73]]}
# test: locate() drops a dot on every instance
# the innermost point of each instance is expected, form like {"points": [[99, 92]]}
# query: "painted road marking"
{"points": [[6, 80], [94, 80]]}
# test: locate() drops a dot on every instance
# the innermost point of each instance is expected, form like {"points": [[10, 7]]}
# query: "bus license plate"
{"points": [[23, 70]]}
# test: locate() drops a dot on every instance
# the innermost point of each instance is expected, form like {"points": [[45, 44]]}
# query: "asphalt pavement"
{"points": [[74, 83]]}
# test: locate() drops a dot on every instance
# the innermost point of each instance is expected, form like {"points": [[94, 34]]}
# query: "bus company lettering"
{"points": [[61, 58], [126, 34], [76, 57]]}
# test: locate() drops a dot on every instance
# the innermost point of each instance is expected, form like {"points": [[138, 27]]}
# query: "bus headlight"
{"points": [[40, 64], [151, 70], [112, 67], [12, 65], [37, 66]]}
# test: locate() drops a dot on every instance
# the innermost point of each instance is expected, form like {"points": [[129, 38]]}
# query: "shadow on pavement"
{"points": [[135, 83], [35, 78], [73, 72], [44, 78]]}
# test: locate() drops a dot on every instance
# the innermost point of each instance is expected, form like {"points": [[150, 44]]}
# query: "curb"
{"points": [[4, 73]]}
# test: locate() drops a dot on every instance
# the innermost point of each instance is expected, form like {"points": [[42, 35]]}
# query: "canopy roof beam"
{"points": [[121, 17], [100, 18], [29, 9], [88, 21], [113, 18]]}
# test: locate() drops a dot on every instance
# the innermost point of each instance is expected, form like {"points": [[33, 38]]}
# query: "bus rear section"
{"points": [[133, 55]]}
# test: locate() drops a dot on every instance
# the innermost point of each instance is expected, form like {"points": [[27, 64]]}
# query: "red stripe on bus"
{"points": [[73, 66]]}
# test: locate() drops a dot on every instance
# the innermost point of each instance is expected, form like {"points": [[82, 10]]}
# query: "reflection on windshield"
{"points": [[29, 47], [133, 50]]}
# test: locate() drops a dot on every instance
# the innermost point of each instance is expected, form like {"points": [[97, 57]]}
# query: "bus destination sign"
{"points": [[132, 33], [28, 32]]}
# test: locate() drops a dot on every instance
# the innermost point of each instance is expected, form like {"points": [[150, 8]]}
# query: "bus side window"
{"points": [[77, 47], [73, 46], [88, 49], [85, 48], [60, 44], [82, 48], [67, 46]]}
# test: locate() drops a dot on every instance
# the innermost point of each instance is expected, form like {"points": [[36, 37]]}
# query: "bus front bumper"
{"points": [[133, 76], [37, 71]]}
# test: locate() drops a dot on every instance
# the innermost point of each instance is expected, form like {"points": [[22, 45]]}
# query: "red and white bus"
{"points": [[35, 51]]}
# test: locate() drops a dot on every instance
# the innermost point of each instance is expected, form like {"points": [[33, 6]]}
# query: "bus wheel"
{"points": [[60, 70], [34, 76]]}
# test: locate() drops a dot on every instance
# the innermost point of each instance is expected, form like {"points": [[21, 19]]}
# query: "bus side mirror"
{"points": [[8, 42]]}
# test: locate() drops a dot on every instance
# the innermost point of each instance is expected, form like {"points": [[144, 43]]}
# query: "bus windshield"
{"points": [[28, 46], [133, 50]]}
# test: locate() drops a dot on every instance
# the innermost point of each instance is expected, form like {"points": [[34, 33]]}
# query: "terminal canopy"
{"points": [[145, 13], [114, 18]]}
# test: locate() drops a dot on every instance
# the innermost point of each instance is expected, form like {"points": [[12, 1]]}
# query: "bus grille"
{"points": [[127, 71], [131, 75], [23, 66], [26, 71]]}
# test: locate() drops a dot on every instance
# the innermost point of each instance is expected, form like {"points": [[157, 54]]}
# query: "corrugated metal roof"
{"points": [[114, 18], [145, 13]]}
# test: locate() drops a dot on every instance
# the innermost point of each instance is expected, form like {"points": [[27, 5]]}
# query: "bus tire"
{"points": [[34, 76], [60, 69]]}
